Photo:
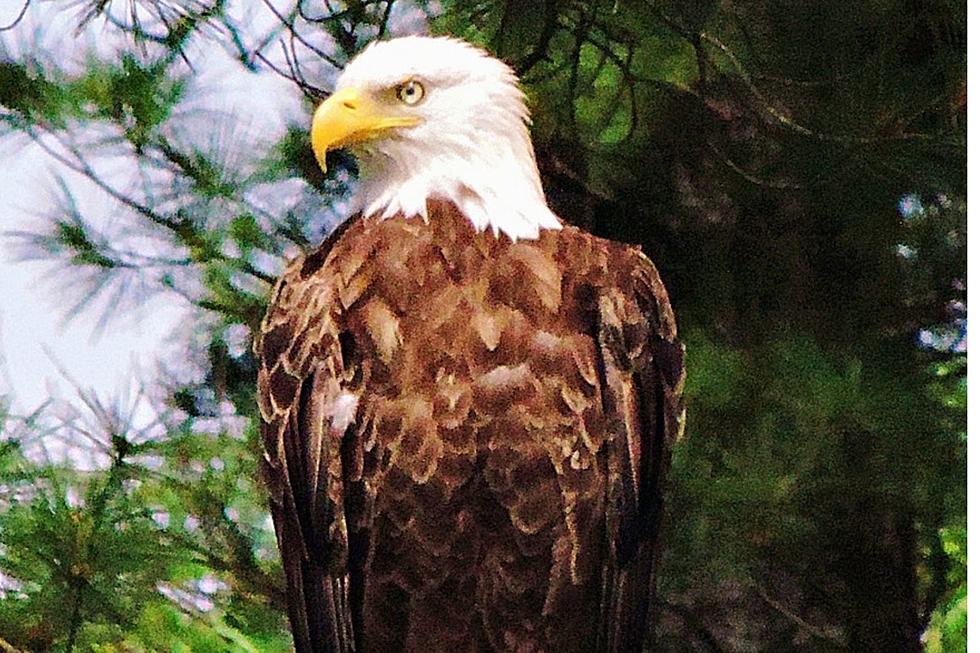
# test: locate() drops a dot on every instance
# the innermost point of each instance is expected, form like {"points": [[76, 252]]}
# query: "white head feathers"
{"points": [[471, 144]]}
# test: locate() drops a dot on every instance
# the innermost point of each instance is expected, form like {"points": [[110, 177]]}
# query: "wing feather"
{"points": [[299, 386], [641, 365]]}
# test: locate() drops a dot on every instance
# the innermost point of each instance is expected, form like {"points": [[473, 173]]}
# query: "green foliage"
{"points": [[76, 239], [947, 627], [159, 550], [133, 94], [26, 90], [207, 178], [137, 96]]}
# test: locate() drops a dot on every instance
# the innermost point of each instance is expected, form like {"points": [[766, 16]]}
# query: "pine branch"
{"points": [[80, 165], [120, 449]]}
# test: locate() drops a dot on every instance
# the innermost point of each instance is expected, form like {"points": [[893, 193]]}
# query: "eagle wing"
{"points": [[308, 413], [643, 374]]}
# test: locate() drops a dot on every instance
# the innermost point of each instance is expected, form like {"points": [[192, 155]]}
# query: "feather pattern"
{"points": [[467, 437]]}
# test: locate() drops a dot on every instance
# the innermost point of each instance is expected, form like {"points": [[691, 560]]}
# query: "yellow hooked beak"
{"points": [[348, 117]]}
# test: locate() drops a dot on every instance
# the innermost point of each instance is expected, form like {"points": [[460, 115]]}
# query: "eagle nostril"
{"points": [[349, 105]]}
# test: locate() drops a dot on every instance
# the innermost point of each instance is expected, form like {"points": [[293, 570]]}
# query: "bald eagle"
{"points": [[467, 405]]}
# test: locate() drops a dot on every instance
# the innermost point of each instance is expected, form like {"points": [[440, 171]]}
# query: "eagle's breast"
{"points": [[463, 394]]}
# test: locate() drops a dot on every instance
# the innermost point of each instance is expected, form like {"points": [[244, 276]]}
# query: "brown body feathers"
{"points": [[467, 437]]}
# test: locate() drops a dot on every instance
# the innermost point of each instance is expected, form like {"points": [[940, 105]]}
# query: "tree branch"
{"points": [[81, 166], [290, 25], [310, 91], [808, 628], [693, 622], [544, 40], [385, 17], [787, 122], [18, 18], [7, 647]]}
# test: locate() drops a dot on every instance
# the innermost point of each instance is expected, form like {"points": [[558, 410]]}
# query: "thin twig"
{"points": [[693, 622], [289, 24], [791, 124], [178, 46], [627, 78], [334, 14], [748, 176], [20, 17], [540, 51], [292, 59], [385, 17], [581, 34], [242, 52], [81, 166], [310, 91], [810, 629], [606, 49]]}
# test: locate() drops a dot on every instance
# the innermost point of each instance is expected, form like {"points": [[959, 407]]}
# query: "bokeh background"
{"points": [[797, 171]]}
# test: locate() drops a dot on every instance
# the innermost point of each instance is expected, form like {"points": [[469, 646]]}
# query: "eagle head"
{"points": [[435, 117]]}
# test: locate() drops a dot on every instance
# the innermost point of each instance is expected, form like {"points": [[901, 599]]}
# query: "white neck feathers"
{"points": [[494, 190]]}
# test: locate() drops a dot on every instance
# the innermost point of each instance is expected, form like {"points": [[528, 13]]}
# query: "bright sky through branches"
{"points": [[35, 297], [227, 109]]}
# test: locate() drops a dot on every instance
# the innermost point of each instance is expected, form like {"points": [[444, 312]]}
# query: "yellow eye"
{"points": [[411, 92]]}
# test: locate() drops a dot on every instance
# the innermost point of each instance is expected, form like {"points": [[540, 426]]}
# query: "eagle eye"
{"points": [[411, 92]]}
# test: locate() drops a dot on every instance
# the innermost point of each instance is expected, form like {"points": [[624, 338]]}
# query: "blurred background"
{"points": [[797, 171]]}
